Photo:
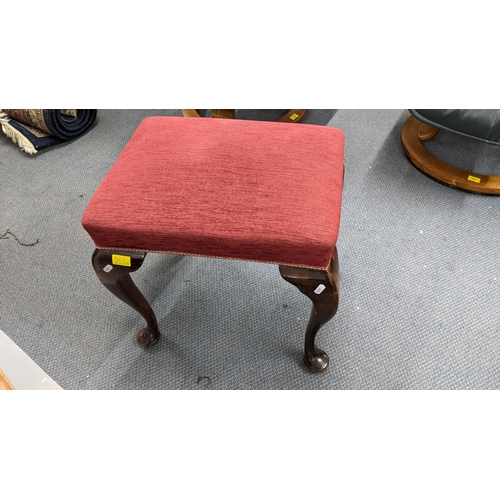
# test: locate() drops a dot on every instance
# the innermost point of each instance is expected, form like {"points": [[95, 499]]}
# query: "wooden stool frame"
{"points": [[321, 286]]}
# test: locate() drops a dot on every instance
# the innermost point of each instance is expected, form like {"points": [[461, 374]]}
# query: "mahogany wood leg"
{"points": [[322, 287], [112, 269]]}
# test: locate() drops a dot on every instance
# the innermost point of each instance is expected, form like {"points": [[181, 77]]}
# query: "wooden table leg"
{"points": [[112, 269], [322, 287]]}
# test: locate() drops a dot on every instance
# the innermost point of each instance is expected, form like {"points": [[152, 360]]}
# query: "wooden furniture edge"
{"points": [[413, 132], [5, 384], [293, 115]]}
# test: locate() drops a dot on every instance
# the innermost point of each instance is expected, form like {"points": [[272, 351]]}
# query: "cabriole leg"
{"points": [[322, 287], [113, 269]]}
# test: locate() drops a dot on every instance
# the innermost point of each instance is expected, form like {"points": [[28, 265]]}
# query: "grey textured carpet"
{"points": [[420, 288]]}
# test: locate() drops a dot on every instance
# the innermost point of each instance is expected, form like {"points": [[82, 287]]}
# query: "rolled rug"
{"points": [[36, 129]]}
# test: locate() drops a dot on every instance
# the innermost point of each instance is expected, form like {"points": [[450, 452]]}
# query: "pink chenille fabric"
{"points": [[236, 189]]}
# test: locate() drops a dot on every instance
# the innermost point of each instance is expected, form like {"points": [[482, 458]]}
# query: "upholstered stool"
{"points": [[233, 189]]}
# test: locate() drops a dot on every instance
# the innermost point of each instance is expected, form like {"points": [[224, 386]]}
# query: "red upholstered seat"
{"points": [[261, 191]]}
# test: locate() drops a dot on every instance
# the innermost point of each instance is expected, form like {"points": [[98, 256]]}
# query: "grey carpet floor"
{"points": [[420, 286]]}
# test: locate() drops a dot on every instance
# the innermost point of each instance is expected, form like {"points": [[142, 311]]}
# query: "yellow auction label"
{"points": [[121, 260], [294, 116], [474, 179]]}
